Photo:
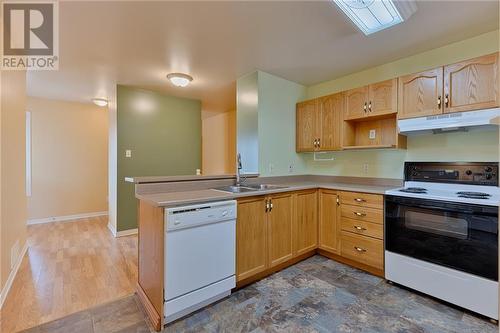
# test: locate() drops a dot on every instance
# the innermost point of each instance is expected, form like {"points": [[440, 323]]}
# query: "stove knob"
{"points": [[468, 172], [488, 176], [488, 169]]}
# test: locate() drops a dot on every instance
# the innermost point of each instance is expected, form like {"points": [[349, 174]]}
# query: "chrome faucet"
{"points": [[238, 168]]}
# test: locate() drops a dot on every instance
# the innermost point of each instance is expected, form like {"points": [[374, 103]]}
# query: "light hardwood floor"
{"points": [[69, 267]]}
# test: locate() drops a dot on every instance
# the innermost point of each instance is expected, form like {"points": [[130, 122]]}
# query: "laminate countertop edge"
{"points": [[173, 199]]}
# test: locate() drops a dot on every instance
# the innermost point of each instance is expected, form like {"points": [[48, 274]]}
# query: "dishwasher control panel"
{"points": [[195, 215]]}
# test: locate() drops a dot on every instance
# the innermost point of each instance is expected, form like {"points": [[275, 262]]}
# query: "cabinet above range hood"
{"points": [[451, 122]]}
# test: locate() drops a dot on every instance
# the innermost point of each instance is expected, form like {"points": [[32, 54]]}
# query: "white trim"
{"points": [[28, 154], [111, 229], [66, 218], [128, 232], [12, 275]]}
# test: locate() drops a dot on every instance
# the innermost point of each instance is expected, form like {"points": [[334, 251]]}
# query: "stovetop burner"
{"points": [[414, 190], [473, 195]]}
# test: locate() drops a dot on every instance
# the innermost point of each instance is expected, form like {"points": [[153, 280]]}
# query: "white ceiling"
{"points": [[137, 43]]}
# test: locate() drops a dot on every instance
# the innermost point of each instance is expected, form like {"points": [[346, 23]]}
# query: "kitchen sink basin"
{"points": [[249, 188], [262, 187], [236, 189]]}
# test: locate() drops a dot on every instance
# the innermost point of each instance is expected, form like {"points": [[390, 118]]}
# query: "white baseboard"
{"points": [[112, 229], [122, 233], [128, 232], [12, 275], [66, 218]]}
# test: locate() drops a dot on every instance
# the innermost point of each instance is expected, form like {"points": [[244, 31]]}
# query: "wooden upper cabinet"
{"points": [[356, 103], [280, 218], [307, 115], [383, 97], [251, 238], [420, 94], [472, 84], [331, 120], [329, 221], [306, 222]]}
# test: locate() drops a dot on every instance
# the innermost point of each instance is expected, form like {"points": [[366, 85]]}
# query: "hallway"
{"points": [[69, 267]]}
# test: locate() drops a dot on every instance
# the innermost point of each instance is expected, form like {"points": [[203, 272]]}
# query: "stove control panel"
{"points": [[472, 173]]}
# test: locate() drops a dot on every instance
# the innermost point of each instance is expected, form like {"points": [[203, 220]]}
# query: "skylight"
{"points": [[374, 15]]}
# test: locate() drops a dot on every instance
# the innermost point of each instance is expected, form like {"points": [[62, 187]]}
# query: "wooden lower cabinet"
{"points": [[275, 231], [251, 238], [306, 222], [280, 218], [329, 217], [365, 250]]}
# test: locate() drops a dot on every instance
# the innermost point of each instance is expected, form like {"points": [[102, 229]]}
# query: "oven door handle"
{"points": [[452, 210]]}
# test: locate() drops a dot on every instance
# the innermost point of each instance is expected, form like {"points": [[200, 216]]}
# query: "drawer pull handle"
{"points": [[359, 249], [357, 227], [359, 214], [359, 200]]}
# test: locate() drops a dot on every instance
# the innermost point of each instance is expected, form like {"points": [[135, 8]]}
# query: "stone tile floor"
{"points": [[316, 295]]}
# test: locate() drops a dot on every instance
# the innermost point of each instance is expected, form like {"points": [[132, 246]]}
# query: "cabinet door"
{"points": [[472, 84], [331, 120], [420, 94], [280, 218], [306, 222], [356, 103], [329, 221], [307, 126], [251, 238], [383, 97]]}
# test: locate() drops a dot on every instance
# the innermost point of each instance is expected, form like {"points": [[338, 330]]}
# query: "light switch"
{"points": [[373, 134], [128, 153]]}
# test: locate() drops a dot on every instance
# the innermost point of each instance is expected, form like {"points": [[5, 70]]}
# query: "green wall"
{"points": [[164, 134], [277, 97], [470, 146]]}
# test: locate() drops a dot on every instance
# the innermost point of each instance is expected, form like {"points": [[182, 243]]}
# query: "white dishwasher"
{"points": [[200, 256]]}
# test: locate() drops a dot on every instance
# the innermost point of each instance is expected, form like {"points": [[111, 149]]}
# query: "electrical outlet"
{"points": [[373, 134], [365, 168], [14, 253], [128, 153], [290, 168]]}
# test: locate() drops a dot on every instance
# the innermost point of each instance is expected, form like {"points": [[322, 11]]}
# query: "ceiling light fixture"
{"points": [[100, 101], [374, 15], [179, 79]]}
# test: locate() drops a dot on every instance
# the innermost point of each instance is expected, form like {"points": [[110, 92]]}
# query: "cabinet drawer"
{"points": [[362, 199], [363, 228], [363, 213], [365, 250]]}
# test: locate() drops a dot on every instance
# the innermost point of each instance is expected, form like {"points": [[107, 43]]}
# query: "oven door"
{"points": [[458, 236]]}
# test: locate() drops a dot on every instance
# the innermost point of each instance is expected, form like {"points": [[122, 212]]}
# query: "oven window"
{"points": [[450, 226], [464, 238]]}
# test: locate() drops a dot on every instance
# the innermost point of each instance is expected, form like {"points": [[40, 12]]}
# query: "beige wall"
{"points": [[12, 179], [69, 158], [218, 142]]}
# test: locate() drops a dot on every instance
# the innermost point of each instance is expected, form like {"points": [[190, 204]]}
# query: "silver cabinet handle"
{"points": [[267, 206], [359, 200], [357, 227], [439, 102], [364, 107], [271, 206], [359, 249], [338, 200], [446, 100], [359, 214], [370, 106]]}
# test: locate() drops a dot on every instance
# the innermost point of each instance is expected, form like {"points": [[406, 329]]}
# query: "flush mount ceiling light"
{"points": [[374, 15], [100, 101], [179, 79]]}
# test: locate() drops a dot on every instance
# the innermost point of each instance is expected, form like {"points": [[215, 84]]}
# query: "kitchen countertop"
{"points": [[167, 179], [172, 199]]}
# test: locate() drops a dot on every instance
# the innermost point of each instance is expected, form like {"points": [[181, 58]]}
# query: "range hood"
{"points": [[460, 121]]}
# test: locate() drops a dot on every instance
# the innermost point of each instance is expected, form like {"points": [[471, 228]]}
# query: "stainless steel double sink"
{"points": [[249, 188]]}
